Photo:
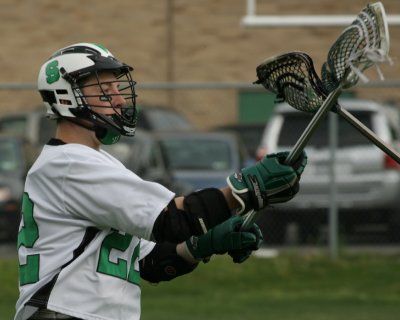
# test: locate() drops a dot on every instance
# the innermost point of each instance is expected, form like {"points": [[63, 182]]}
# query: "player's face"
{"points": [[104, 98]]}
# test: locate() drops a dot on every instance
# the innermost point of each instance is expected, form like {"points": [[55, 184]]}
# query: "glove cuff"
{"points": [[241, 196]]}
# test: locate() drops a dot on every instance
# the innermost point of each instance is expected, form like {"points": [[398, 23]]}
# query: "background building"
{"points": [[177, 41]]}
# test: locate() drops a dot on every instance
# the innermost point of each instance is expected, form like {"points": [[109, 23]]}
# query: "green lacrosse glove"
{"points": [[222, 238], [268, 181], [239, 256]]}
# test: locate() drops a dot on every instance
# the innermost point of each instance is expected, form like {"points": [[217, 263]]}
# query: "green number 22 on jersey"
{"points": [[29, 234]]}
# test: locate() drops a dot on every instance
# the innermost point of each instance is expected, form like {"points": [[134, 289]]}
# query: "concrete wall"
{"points": [[176, 40]]}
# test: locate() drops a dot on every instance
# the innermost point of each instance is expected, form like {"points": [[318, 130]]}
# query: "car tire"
{"points": [[394, 227]]}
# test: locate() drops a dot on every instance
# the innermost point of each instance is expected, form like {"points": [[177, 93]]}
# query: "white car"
{"points": [[367, 180]]}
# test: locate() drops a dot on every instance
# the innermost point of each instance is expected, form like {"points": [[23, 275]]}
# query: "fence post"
{"points": [[333, 210]]}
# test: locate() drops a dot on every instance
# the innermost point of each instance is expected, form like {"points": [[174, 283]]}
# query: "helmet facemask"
{"points": [[122, 118]]}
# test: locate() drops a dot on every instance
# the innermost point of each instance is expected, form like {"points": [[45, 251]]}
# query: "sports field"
{"points": [[283, 288]]}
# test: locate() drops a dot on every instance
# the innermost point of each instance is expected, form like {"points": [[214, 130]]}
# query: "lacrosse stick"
{"points": [[293, 79]]}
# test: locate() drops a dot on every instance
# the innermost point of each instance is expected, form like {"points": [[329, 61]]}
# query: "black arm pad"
{"points": [[202, 210], [164, 264]]}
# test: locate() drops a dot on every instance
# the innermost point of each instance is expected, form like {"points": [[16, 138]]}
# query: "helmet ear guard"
{"points": [[60, 84]]}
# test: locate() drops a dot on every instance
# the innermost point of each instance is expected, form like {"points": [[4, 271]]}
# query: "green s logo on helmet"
{"points": [[52, 72]]}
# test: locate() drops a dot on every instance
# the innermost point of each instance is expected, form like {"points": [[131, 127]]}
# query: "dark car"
{"points": [[143, 155], [203, 159], [16, 156]]}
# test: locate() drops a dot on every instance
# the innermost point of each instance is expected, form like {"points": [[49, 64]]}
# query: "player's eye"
{"points": [[105, 97]]}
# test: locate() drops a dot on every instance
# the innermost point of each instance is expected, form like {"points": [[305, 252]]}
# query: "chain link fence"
{"points": [[331, 227]]}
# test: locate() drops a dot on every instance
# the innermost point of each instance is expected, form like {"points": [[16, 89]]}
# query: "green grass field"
{"points": [[284, 288]]}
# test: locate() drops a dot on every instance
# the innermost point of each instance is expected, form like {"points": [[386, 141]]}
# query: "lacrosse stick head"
{"points": [[361, 45], [292, 77]]}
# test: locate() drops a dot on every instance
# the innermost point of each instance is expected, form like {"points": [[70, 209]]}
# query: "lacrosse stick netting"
{"points": [[361, 45], [293, 79]]}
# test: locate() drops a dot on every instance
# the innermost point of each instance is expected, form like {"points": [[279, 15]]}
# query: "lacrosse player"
{"points": [[91, 228]]}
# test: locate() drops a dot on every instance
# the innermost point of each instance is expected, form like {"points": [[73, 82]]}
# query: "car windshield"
{"points": [[295, 124], [206, 154], [10, 157]]}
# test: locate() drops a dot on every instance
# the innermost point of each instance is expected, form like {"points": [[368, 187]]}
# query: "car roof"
{"points": [[196, 134], [348, 104], [240, 125]]}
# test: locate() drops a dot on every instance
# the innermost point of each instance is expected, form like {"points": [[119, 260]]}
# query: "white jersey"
{"points": [[87, 221]]}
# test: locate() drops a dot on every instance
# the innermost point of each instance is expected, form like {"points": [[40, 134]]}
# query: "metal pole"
{"points": [[333, 210]]}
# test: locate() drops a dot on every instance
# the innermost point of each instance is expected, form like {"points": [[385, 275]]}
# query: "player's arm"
{"points": [[202, 223], [191, 215], [167, 260], [231, 201], [253, 188]]}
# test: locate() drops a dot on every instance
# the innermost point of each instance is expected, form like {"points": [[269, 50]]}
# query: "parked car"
{"points": [[367, 180], [250, 133], [37, 129], [16, 157], [143, 155], [203, 159]]}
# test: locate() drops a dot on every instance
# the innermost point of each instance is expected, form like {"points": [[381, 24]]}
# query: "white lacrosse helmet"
{"points": [[60, 84]]}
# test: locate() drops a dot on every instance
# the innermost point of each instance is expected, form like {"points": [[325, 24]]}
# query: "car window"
{"points": [[394, 132], [155, 159], [295, 123], [250, 135], [186, 154]]}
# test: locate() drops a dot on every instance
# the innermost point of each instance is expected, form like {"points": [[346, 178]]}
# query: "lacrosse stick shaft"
{"points": [[301, 143], [249, 220], [369, 134], [298, 148]]}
